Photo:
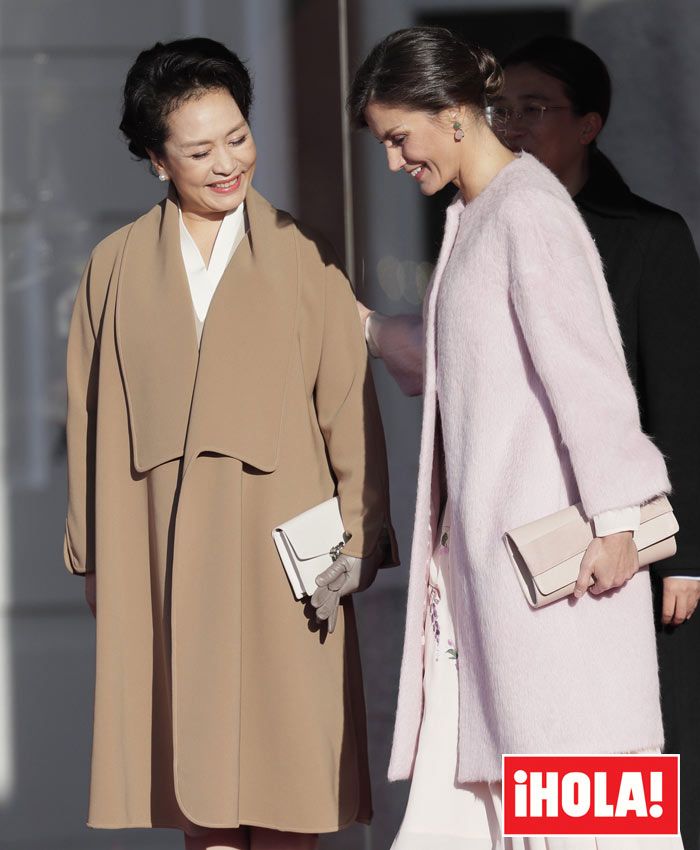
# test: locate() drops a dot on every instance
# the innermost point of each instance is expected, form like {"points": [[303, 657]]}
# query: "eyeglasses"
{"points": [[500, 117]]}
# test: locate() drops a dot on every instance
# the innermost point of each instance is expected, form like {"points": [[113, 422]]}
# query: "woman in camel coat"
{"points": [[216, 691]]}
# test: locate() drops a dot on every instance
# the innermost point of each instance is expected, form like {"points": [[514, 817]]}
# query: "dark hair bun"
{"points": [[165, 76], [425, 68], [490, 71]]}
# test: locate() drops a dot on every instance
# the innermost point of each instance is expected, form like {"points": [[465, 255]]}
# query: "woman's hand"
{"points": [[344, 576], [91, 592], [364, 312], [610, 561], [680, 599]]}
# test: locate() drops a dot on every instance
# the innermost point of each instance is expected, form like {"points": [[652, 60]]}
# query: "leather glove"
{"points": [[344, 576]]}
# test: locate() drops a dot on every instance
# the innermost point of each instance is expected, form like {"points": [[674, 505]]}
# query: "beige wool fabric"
{"points": [[218, 701]]}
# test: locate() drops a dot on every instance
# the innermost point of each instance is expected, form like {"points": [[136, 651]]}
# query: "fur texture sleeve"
{"points": [[567, 319]]}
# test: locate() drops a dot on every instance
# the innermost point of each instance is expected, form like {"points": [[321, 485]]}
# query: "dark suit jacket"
{"points": [[653, 272]]}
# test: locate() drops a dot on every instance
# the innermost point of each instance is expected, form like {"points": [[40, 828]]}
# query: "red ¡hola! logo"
{"points": [[590, 795]]}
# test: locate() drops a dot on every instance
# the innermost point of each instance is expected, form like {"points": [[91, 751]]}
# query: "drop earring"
{"points": [[459, 132]]}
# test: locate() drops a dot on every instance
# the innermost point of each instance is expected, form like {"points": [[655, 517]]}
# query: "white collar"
{"points": [[204, 279], [229, 235]]}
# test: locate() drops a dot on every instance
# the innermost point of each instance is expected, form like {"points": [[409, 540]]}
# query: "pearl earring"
{"points": [[162, 177], [459, 132]]}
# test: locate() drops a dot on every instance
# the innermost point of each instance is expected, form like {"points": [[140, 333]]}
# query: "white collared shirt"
{"points": [[204, 279]]}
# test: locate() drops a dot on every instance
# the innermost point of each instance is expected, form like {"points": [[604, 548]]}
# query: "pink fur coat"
{"points": [[524, 358]]}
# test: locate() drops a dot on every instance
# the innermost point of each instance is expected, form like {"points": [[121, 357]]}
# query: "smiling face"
{"points": [[209, 154], [557, 135], [418, 143]]}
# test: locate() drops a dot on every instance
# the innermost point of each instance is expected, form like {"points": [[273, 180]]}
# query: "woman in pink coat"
{"points": [[527, 400]]}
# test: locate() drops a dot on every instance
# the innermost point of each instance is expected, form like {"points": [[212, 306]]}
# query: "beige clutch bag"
{"points": [[547, 553]]}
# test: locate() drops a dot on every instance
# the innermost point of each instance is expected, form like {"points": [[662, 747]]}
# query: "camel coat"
{"points": [[218, 701], [525, 382]]}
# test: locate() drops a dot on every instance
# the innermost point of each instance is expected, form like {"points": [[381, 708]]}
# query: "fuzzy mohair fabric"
{"points": [[524, 360]]}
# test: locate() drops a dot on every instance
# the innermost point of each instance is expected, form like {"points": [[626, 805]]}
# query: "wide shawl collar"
{"points": [[228, 396]]}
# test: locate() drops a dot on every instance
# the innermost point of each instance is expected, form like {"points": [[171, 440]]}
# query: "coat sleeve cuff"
{"points": [[615, 521], [70, 559], [362, 546]]}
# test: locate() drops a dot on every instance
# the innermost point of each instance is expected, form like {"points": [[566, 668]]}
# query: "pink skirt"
{"points": [[441, 813]]}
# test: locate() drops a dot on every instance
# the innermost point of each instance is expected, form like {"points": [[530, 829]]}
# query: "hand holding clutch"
{"points": [[607, 563], [344, 576], [559, 554]]}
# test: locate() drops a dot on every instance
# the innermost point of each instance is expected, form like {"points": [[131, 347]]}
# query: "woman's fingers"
{"points": [[611, 561], [679, 601], [339, 582], [681, 610], [668, 605], [320, 597], [336, 569], [585, 573], [328, 606], [603, 582], [324, 601]]}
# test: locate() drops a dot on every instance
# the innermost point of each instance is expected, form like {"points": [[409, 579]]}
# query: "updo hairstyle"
{"points": [[167, 75], [425, 68]]}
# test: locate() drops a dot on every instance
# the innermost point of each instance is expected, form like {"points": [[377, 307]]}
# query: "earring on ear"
{"points": [[162, 177], [459, 132]]}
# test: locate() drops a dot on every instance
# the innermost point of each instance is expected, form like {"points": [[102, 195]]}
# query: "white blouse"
{"points": [[204, 279]]}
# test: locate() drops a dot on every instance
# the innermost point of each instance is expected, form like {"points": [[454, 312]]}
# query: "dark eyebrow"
{"points": [[207, 142]]}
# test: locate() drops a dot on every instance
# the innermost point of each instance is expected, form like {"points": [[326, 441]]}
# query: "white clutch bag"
{"points": [[547, 553], [308, 544]]}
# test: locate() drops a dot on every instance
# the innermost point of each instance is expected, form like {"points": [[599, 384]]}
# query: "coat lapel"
{"points": [[228, 396], [156, 337], [246, 345]]}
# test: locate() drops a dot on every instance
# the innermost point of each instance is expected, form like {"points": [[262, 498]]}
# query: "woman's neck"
{"points": [[202, 219], [204, 231], [480, 162]]}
